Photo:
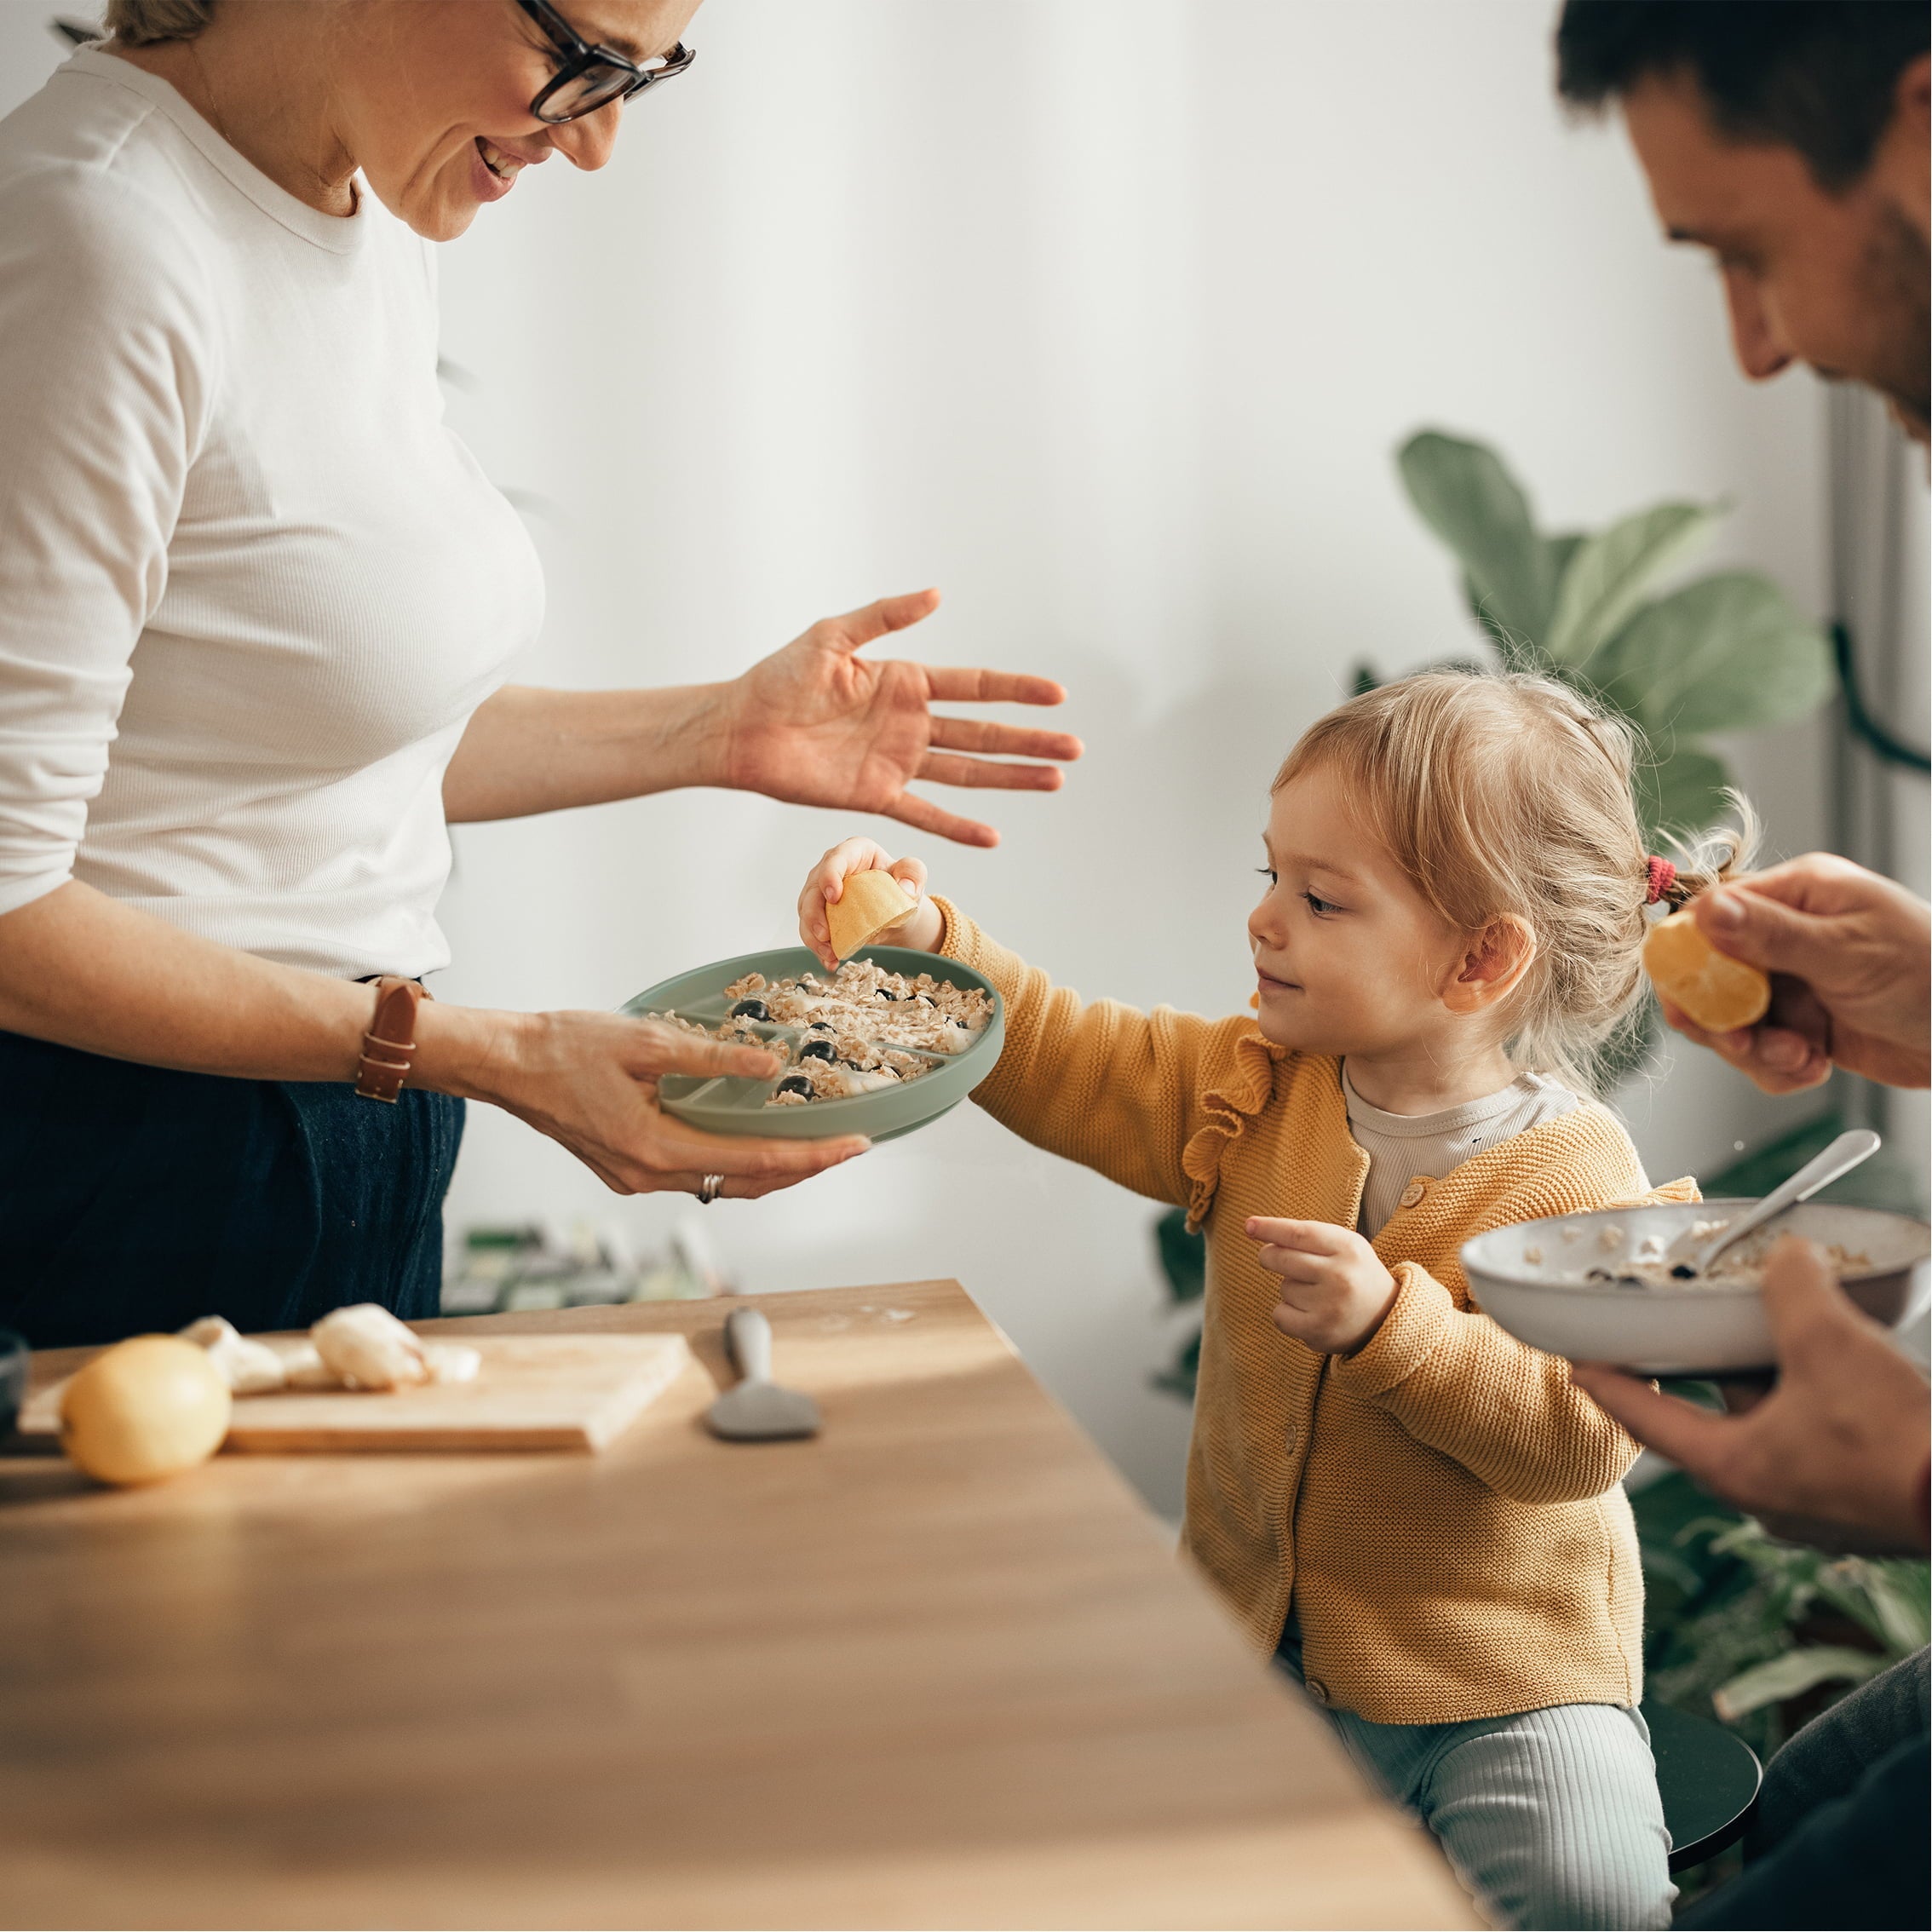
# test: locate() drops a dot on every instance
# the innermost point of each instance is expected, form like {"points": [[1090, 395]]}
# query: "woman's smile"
{"points": [[496, 168]]}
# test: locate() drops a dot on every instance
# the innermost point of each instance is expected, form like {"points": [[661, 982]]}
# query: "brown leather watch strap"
{"points": [[389, 1044]]}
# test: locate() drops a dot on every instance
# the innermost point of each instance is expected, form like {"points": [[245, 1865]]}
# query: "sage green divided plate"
{"points": [[723, 1106]]}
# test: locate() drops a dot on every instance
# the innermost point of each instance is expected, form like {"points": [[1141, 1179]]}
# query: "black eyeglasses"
{"points": [[591, 78]]}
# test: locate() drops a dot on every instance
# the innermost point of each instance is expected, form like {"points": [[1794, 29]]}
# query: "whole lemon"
{"points": [[144, 1409]]}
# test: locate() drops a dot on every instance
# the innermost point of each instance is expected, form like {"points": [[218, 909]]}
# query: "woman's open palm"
{"points": [[816, 724]]}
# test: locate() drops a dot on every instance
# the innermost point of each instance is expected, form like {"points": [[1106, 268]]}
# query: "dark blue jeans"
{"points": [[134, 1199], [1840, 1839]]}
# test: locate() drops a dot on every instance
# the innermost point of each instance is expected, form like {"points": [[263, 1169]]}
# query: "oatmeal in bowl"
{"points": [[1600, 1287], [890, 1041]]}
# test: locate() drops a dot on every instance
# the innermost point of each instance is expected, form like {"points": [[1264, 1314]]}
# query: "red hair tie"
{"points": [[1660, 875]]}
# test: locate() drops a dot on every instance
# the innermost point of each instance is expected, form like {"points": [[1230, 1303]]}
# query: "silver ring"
{"points": [[713, 1186]]}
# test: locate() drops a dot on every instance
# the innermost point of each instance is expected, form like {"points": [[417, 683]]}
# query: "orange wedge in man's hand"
{"points": [[1718, 992]]}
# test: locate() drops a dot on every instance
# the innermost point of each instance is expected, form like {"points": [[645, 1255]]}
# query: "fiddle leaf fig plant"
{"points": [[1722, 654]]}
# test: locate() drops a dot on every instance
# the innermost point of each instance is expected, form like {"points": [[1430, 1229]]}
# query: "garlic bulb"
{"points": [[368, 1347], [452, 1361], [249, 1368], [306, 1369]]}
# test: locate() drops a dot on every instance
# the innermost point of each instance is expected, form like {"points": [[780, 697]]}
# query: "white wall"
{"points": [[1105, 315]]}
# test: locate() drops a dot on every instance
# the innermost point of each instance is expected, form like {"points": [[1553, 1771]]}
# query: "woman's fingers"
{"points": [[670, 1049], [944, 767], [953, 686], [748, 1167], [922, 815], [871, 622], [990, 739], [734, 1188]]}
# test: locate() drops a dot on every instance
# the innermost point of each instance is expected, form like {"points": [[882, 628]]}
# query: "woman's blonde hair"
{"points": [[138, 23], [1502, 797]]}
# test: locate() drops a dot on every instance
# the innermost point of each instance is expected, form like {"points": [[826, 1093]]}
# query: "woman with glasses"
{"points": [[256, 607]]}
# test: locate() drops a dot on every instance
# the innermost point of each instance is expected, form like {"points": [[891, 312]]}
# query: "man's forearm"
{"points": [[529, 751]]}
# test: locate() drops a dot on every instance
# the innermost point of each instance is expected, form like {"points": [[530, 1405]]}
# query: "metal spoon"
{"points": [[1689, 1259], [757, 1409]]}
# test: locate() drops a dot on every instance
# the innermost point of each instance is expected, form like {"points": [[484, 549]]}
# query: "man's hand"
{"points": [[1842, 1438], [1850, 959], [814, 724], [1335, 1292]]}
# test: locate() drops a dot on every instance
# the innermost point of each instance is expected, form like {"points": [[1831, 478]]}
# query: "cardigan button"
{"points": [[1316, 1689], [1414, 1191]]}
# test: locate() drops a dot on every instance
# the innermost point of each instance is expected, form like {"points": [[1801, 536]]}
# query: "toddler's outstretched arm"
{"points": [[1118, 1090]]}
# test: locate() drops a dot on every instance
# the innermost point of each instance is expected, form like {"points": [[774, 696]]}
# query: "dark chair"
{"points": [[1708, 1778]]}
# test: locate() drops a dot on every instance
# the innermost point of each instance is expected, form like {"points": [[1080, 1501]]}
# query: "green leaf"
{"points": [[1183, 1255], [1609, 573], [1181, 1378], [1726, 653], [1895, 1615], [1518, 652], [1464, 494], [1791, 1675], [1774, 1161], [1561, 549], [1681, 794]]}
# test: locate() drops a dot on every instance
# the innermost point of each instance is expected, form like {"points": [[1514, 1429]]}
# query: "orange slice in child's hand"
{"points": [[871, 902], [1709, 987]]}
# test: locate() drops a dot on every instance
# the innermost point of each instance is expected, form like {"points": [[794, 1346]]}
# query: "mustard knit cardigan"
{"points": [[1442, 1508]]}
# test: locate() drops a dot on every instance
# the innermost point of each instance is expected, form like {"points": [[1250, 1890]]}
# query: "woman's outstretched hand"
{"points": [[922, 929], [590, 1081], [816, 724]]}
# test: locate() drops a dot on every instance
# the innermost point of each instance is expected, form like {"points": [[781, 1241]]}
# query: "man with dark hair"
{"points": [[1791, 138]]}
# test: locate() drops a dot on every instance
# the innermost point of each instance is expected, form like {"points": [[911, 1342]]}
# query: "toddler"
{"points": [[1420, 1517]]}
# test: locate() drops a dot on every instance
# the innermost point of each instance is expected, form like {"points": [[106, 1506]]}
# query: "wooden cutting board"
{"points": [[532, 1392]]}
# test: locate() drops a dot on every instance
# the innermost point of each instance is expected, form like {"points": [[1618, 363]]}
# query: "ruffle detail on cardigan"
{"points": [[1229, 1108]]}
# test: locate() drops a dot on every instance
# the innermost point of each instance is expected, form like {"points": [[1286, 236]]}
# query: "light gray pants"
{"points": [[1551, 1817]]}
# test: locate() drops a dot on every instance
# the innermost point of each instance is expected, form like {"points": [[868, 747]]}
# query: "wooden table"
{"points": [[936, 1668]]}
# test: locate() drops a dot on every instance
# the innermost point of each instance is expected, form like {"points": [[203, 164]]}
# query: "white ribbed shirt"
{"points": [[1403, 1148], [251, 587]]}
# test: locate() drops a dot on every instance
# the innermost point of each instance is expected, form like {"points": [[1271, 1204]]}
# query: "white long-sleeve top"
{"points": [[251, 587]]}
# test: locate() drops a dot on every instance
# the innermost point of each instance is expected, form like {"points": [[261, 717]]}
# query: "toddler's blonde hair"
{"points": [[1503, 795]]}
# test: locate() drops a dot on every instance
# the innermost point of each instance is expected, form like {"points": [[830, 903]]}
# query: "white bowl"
{"points": [[1676, 1328]]}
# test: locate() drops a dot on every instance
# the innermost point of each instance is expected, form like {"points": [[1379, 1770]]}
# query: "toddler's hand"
{"points": [[922, 929], [1335, 1292]]}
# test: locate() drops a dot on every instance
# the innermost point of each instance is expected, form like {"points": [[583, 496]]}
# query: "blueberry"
{"points": [[1683, 1272], [816, 1049], [796, 1084], [750, 1009], [885, 993], [821, 1026]]}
